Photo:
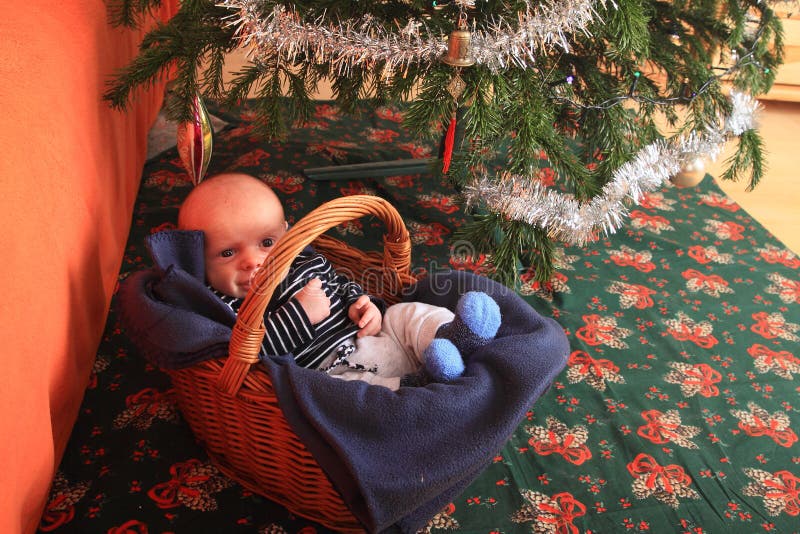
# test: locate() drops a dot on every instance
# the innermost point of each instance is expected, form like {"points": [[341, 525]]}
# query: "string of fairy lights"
{"points": [[508, 44]]}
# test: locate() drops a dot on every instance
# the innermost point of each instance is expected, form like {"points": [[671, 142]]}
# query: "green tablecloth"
{"points": [[678, 411]]}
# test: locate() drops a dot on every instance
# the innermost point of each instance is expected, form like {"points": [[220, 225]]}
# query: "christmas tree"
{"points": [[614, 95]]}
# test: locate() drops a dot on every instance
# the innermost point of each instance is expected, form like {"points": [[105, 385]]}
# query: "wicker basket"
{"points": [[230, 404]]}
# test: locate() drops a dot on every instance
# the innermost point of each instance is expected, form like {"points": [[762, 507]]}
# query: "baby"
{"points": [[324, 319]]}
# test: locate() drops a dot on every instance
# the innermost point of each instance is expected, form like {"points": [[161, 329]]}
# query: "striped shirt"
{"points": [[288, 329]]}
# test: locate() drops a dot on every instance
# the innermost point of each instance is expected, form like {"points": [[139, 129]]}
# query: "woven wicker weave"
{"points": [[230, 404]]}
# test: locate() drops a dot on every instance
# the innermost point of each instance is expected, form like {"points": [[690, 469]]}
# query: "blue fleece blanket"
{"points": [[398, 458]]}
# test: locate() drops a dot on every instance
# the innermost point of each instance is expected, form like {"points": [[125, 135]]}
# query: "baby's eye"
{"points": [[268, 242], [227, 253]]}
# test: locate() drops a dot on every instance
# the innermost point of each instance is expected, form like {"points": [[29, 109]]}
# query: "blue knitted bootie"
{"points": [[443, 361], [476, 322]]}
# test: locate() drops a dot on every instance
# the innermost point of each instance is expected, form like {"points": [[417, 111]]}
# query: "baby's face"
{"points": [[238, 241]]}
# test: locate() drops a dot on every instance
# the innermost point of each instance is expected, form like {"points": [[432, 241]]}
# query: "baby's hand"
{"points": [[314, 301], [366, 315]]}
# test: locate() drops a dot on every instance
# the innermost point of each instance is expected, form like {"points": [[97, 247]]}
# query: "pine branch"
{"points": [[748, 157]]}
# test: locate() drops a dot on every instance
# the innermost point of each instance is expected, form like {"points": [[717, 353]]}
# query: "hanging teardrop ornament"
{"points": [[456, 89], [195, 141]]}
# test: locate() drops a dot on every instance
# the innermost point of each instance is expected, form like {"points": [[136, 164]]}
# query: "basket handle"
{"points": [[249, 330]]}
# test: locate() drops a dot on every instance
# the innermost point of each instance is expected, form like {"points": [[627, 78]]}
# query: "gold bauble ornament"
{"points": [[195, 141], [691, 174]]}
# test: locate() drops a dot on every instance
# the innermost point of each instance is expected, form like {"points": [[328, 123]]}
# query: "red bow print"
{"points": [[768, 326], [184, 483], [590, 365], [788, 490], [441, 203], [703, 377], [784, 438], [685, 332], [699, 254], [58, 512], [655, 429], [780, 358], [640, 294], [712, 282], [131, 526], [637, 261], [644, 220], [595, 332], [563, 513], [575, 454], [147, 400], [665, 476], [782, 256]]}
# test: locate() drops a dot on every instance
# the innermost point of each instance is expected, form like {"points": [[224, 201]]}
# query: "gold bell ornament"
{"points": [[459, 54], [459, 49], [195, 140]]}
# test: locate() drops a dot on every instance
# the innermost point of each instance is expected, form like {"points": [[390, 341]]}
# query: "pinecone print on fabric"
{"points": [[724, 229], [350, 228], [694, 379], [711, 284], [382, 135], [599, 330], [254, 158], [283, 181], [655, 200], [653, 223], [709, 254], [787, 290], [781, 362], [427, 233], [717, 200], [774, 325], [665, 483], [684, 328], [558, 283], [331, 150], [60, 508], [146, 406], [666, 427], [777, 255], [272, 528], [641, 260], [445, 204], [780, 490], [594, 371], [756, 421], [632, 295], [544, 290], [192, 485], [558, 438], [549, 515], [444, 520]]}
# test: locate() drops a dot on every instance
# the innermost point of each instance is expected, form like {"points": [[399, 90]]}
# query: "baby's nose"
{"points": [[252, 261]]}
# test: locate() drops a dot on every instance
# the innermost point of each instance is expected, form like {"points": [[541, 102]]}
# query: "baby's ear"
{"points": [[286, 224]]}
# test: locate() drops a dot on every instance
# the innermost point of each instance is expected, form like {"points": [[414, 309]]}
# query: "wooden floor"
{"points": [[775, 202]]}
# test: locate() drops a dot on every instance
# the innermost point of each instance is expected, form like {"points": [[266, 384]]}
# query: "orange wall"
{"points": [[69, 172]]}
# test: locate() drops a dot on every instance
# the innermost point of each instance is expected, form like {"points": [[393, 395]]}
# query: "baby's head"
{"points": [[242, 219]]}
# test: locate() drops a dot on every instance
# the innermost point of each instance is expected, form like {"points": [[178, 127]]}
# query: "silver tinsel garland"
{"points": [[352, 43], [572, 221]]}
